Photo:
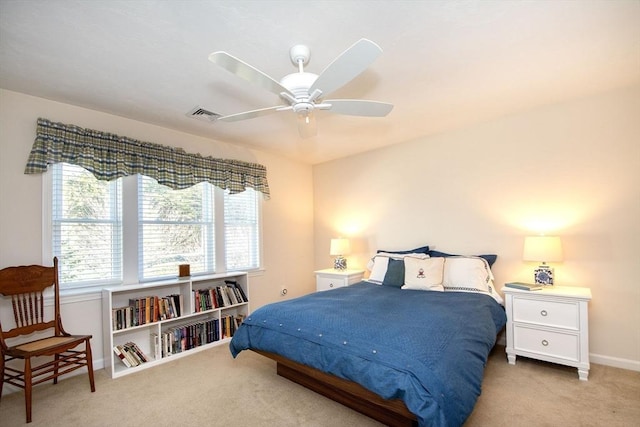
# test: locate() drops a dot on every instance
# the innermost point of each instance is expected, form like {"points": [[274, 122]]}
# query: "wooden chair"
{"points": [[26, 285]]}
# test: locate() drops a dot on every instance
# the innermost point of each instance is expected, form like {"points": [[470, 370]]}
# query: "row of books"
{"points": [[150, 309], [141, 311], [219, 296], [130, 354], [193, 335], [230, 324]]}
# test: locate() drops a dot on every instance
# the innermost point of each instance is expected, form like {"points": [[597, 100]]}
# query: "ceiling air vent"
{"points": [[202, 114]]}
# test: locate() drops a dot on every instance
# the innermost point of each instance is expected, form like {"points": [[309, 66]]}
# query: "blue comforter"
{"points": [[427, 348]]}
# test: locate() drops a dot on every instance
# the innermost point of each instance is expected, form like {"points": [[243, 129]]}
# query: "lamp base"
{"points": [[340, 263], [543, 275]]}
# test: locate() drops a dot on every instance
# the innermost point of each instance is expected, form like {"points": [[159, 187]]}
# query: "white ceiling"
{"points": [[445, 65]]}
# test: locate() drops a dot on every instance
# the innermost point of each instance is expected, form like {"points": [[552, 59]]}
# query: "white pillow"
{"points": [[378, 269], [380, 262], [423, 274], [469, 274]]}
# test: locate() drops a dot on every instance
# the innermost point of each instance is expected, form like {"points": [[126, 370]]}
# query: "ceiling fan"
{"points": [[303, 92]]}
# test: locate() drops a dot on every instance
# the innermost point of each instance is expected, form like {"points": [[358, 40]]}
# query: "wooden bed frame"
{"points": [[390, 412]]}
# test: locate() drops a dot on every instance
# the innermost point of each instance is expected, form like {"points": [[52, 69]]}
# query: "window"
{"points": [[174, 227], [93, 230], [241, 228], [86, 224]]}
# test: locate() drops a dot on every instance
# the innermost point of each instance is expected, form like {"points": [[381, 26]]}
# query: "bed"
{"points": [[400, 352]]}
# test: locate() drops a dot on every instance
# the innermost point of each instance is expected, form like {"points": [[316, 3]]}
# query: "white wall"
{"points": [[287, 216], [571, 169]]}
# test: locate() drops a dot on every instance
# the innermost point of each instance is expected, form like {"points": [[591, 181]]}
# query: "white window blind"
{"points": [[86, 224], [168, 228], [174, 227], [242, 230]]}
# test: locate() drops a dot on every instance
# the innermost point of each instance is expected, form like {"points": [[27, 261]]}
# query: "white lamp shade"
{"points": [[339, 247], [542, 249]]}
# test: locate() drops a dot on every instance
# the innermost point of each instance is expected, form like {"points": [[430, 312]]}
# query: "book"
{"points": [[524, 286], [128, 359], [156, 347], [238, 288], [118, 353], [135, 351], [232, 295], [224, 296]]}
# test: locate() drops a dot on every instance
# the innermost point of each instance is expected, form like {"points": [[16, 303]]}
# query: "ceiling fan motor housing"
{"points": [[303, 108], [299, 84]]}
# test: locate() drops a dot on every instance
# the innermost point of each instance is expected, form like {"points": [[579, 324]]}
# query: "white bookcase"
{"points": [[145, 335]]}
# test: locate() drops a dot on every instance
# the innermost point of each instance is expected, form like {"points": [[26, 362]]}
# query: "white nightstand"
{"points": [[551, 324], [331, 278]]}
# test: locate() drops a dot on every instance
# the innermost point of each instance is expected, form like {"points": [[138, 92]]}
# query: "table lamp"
{"points": [[339, 248], [543, 249]]}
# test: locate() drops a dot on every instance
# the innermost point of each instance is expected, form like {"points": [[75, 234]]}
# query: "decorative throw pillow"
{"points": [[395, 273], [379, 263], [423, 274], [469, 274]]}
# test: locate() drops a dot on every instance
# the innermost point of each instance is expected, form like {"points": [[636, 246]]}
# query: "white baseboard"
{"points": [[615, 362], [600, 359]]}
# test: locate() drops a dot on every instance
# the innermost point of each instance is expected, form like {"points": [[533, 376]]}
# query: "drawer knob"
{"points": [[545, 343], [543, 313], [331, 285]]}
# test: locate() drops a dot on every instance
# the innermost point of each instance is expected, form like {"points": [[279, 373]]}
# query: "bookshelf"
{"points": [[171, 319]]}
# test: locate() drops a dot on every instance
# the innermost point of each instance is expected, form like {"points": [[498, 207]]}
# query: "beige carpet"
{"points": [[210, 388]]}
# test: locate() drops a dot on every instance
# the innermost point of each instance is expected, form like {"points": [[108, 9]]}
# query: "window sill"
{"points": [[71, 295]]}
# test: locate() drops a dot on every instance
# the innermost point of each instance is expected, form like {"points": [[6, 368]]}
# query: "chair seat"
{"points": [[46, 345]]}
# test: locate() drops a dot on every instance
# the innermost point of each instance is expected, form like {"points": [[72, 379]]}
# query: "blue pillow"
{"points": [[420, 250], [490, 258], [395, 273]]}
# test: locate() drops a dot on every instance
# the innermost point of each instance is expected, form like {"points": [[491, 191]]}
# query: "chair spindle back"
{"points": [[26, 286]]}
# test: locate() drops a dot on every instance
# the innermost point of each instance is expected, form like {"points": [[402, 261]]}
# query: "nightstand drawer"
{"points": [[331, 278], [326, 283], [549, 313], [555, 344]]}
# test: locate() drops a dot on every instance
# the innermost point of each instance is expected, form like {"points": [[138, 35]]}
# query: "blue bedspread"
{"points": [[427, 348]]}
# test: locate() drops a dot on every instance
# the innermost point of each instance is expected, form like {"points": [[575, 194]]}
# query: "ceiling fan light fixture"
{"points": [[307, 124]]}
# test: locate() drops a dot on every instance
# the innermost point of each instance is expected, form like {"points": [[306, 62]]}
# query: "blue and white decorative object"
{"points": [[543, 249], [543, 275], [339, 248]]}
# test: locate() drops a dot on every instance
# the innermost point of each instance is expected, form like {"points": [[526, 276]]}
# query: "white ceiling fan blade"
{"points": [[307, 125], [358, 107], [347, 66], [252, 114], [246, 72]]}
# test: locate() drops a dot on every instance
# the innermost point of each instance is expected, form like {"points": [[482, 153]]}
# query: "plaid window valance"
{"points": [[110, 156]]}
